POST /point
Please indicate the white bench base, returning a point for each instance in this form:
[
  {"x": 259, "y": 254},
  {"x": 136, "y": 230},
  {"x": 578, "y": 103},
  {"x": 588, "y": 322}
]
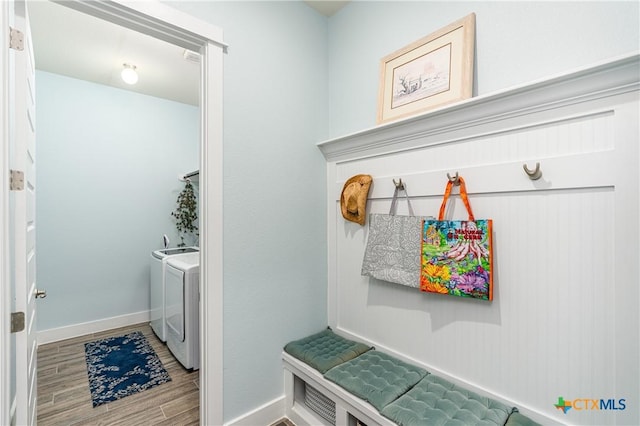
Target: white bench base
[{"x": 349, "y": 408}]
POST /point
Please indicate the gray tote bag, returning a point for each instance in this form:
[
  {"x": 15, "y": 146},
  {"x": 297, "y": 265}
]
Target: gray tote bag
[{"x": 393, "y": 246}]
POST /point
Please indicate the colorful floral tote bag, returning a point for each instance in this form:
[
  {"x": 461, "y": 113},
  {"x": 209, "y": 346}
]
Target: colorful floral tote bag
[{"x": 457, "y": 254}]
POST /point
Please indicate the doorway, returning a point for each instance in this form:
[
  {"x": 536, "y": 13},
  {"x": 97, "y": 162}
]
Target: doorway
[
  {"x": 110, "y": 159},
  {"x": 159, "y": 21}
]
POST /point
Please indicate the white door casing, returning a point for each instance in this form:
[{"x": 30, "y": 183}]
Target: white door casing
[{"x": 163, "y": 22}]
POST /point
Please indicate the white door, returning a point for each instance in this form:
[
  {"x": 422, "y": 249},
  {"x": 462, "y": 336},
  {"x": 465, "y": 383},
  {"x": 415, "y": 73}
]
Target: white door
[{"x": 22, "y": 213}]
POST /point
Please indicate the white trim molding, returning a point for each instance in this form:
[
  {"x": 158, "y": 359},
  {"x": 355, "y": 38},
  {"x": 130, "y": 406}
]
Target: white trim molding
[
  {"x": 154, "y": 19},
  {"x": 266, "y": 414},
  {"x": 441, "y": 125},
  {"x": 68, "y": 332},
  {"x": 211, "y": 241}
]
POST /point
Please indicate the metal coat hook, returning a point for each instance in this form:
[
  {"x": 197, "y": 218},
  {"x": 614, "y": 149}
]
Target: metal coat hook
[
  {"x": 533, "y": 174},
  {"x": 454, "y": 180},
  {"x": 399, "y": 184}
]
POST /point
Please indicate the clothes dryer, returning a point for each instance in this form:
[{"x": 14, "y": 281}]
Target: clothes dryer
[
  {"x": 182, "y": 280},
  {"x": 157, "y": 286}
]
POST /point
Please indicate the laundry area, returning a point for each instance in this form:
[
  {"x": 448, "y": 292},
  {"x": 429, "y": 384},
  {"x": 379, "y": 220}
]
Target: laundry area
[
  {"x": 117, "y": 166},
  {"x": 115, "y": 196},
  {"x": 174, "y": 283},
  {"x": 114, "y": 189},
  {"x": 175, "y": 297}
]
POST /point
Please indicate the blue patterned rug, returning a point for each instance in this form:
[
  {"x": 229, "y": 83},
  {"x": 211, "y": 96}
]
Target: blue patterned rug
[{"x": 120, "y": 366}]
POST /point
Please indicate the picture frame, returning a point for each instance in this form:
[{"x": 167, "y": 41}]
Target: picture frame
[{"x": 428, "y": 73}]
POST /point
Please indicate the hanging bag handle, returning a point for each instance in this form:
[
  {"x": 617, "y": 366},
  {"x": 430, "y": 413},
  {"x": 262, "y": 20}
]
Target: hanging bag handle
[
  {"x": 463, "y": 195},
  {"x": 392, "y": 210}
]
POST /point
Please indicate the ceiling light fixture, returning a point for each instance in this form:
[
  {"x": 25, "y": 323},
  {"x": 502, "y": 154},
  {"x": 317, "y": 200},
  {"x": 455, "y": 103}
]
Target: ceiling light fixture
[{"x": 129, "y": 74}]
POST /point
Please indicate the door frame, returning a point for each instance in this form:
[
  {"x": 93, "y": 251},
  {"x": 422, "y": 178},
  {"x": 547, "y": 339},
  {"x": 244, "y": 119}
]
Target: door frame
[{"x": 165, "y": 23}]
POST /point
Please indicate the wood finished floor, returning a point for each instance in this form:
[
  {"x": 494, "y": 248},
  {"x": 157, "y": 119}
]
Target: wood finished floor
[{"x": 64, "y": 397}]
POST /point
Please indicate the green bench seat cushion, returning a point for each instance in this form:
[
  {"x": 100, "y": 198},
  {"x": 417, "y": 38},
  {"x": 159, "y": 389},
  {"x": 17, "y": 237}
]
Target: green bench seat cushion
[
  {"x": 437, "y": 402},
  {"x": 325, "y": 350},
  {"x": 376, "y": 377}
]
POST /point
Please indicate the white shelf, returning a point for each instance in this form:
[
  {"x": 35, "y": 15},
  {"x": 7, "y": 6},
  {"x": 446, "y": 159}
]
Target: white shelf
[
  {"x": 607, "y": 78},
  {"x": 192, "y": 176}
]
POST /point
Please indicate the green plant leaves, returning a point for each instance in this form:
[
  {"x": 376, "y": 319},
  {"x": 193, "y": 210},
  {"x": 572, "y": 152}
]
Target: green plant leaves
[{"x": 186, "y": 212}]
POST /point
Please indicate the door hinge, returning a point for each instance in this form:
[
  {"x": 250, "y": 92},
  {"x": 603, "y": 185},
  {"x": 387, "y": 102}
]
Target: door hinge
[
  {"x": 16, "y": 39},
  {"x": 16, "y": 180},
  {"x": 17, "y": 322}
]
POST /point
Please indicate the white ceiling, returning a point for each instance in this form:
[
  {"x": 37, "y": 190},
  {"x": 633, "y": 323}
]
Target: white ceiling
[
  {"x": 74, "y": 44},
  {"x": 326, "y": 7},
  {"x": 77, "y": 45}
]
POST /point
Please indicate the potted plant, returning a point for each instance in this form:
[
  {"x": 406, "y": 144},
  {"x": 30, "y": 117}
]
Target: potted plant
[{"x": 186, "y": 213}]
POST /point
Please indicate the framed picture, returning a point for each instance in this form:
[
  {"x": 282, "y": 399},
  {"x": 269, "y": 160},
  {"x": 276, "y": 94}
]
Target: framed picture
[{"x": 431, "y": 72}]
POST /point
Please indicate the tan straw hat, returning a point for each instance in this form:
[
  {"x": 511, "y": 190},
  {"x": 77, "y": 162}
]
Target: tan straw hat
[{"x": 353, "y": 201}]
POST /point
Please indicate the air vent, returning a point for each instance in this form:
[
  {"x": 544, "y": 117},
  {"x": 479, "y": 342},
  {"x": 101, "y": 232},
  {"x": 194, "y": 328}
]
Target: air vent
[{"x": 320, "y": 404}]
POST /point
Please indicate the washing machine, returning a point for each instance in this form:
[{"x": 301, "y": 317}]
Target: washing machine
[
  {"x": 182, "y": 281},
  {"x": 157, "y": 286}
]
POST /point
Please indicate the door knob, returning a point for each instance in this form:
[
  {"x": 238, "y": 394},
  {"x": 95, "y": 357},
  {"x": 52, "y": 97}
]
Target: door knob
[{"x": 41, "y": 294}]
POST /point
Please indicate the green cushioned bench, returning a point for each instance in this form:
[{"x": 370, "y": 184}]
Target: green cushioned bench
[
  {"x": 396, "y": 391},
  {"x": 325, "y": 350},
  {"x": 376, "y": 377},
  {"x": 435, "y": 401}
]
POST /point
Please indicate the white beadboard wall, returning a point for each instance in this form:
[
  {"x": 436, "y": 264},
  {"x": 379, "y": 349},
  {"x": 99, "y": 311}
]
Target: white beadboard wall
[{"x": 564, "y": 319}]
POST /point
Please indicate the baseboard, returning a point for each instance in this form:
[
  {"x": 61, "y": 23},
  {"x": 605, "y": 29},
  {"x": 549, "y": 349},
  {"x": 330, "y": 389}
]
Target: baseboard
[
  {"x": 267, "y": 414},
  {"x": 75, "y": 330}
]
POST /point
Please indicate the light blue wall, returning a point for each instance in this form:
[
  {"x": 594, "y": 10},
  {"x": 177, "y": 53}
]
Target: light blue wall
[
  {"x": 516, "y": 42},
  {"x": 294, "y": 78},
  {"x": 275, "y": 111},
  {"x": 107, "y": 168}
]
